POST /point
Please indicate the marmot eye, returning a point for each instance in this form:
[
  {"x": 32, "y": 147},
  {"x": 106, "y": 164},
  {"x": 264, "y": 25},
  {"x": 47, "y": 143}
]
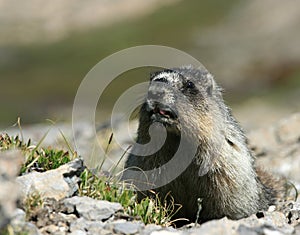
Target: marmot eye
[{"x": 190, "y": 85}]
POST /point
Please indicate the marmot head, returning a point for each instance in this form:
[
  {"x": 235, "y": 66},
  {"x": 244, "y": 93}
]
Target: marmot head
[{"x": 182, "y": 99}]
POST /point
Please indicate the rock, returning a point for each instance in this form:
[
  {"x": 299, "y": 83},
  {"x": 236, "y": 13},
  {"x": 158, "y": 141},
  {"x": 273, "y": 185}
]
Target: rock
[
  {"x": 274, "y": 221},
  {"x": 91, "y": 209},
  {"x": 297, "y": 230},
  {"x": 150, "y": 228},
  {"x": 58, "y": 183},
  {"x": 271, "y": 223},
  {"x": 82, "y": 224},
  {"x": 78, "y": 232},
  {"x": 124, "y": 227},
  {"x": 242, "y": 229},
  {"x": 278, "y": 147},
  {"x": 166, "y": 232},
  {"x": 223, "y": 226},
  {"x": 20, "y": 225},
  {"x": 53, "y": 229},
  {"x": 10, "y": 165},
  {"x": 288, "y": 130},
  {"x": 291, "y": 211}
]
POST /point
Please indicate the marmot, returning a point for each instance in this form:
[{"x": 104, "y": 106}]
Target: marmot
[{"x": 222, "y": 173}]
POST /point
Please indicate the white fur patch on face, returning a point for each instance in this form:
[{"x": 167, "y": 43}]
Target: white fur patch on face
[
  {"x": 209, "y": 76},
  {"x": 170, "y": 77}
]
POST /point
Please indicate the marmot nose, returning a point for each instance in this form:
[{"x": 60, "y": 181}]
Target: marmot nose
[{"x": 156, "y": 95}]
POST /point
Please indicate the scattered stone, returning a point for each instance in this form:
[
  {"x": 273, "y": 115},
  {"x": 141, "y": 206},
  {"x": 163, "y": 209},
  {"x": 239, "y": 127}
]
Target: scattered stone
[
  {"x": 292, "y": 212},
  {"x": 10, "y": 165},
  {"x": 82, "y": 224},
  {"x": 165, "y": 232},
  {"x": 62, "y": 213},
  {"x": 78, "y": 232},
  {"x": 125, "y": 227},
  {"x": 150, "y": 228},
  {"x": 20, "y": 225},
  {"x": 278, "y": 148},
  {"x": 242, "y": 229},
  {"x": 297, "y": 230},
  {"x": 58, "y": 183},
  {"x": 271, "y": 222},
  {"x": 288, "y": 130},
  {"x": 91, "y": 209},
  {"x": 272, "y": 208},
  {"x": 53, "y": 229}
]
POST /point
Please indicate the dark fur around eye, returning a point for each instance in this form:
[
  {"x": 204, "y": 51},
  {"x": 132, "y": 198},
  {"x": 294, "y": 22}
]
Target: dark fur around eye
[
  {"x": 189, "y": 88},
  {"x": 190, "y": 85}
]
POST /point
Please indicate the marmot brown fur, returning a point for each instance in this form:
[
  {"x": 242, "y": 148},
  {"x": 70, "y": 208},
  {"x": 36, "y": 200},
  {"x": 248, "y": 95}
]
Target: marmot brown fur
[{"x": 222, "y": 173}]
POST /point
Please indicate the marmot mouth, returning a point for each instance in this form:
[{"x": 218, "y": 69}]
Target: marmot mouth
[{"x": 164, "y": 112}]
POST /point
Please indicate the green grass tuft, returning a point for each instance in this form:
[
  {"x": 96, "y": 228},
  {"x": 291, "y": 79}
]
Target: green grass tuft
[
  {"x": 39, "y": 159},
  {"x": 32, "y": 203},
  {"x": 149, "y": 210}
]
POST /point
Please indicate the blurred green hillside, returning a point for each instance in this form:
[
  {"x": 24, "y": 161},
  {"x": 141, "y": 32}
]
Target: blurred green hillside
[{"x": 40, "y": 80}]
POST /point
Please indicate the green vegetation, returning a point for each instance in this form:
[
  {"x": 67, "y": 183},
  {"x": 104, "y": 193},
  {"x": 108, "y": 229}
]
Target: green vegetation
[
  {"x": 149, "y": 210},
  {"x": 32, "y": 203},
  {"x": 41, "y": 159}
]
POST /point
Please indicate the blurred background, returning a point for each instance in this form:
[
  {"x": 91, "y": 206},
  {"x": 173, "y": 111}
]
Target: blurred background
[{"x": 47, "y": 47}]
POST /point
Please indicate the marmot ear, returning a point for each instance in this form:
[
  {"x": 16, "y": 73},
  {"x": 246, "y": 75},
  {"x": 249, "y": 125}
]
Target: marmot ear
[
  {"x": 154, "y": 74},
  {"x": 164, "y": 70},
  {"x": 210, "y": 84}
]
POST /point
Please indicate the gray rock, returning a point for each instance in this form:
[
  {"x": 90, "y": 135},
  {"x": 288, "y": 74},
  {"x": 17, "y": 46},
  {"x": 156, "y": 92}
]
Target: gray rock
[
  {"x": 223, "y": 226},
  {"x": 125, "y": 227},
  {"x": 292, "y": 212},
  {"x": 10, "y": 164},
  {"x": 78, "y": 232},
  {"x": 94, "y": 229},
  {"x": 89, "y": 227},
  {"x": 53, "y": 229},
  {"x": 278, "y": 147},
  {"x": 58, "y": 183},
  {"x": 20, "y": 225},
  {"x": 26, "y": 228},
  {"x": 150, "y": 228},
  {"x": 271, "y": 223},
  {"x": 167, "y": 232},
  {"x": 82, "y": 224},
  {"x": 288, "y": 129},
  {"x": 91, "y": 209},
  {"x": 242, "y": 229},
  {"x": 297, "y": 230}
]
